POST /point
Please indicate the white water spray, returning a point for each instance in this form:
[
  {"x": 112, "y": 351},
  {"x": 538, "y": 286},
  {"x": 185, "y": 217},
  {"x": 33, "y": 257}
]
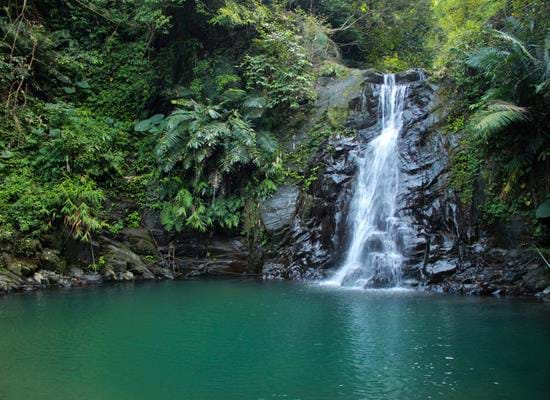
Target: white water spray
[{"x": 374, "y": 255}]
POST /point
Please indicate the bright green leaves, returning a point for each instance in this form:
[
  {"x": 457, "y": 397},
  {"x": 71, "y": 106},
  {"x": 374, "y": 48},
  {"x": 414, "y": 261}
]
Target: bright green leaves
[
  {"x": 502, "y": 78},
  {"x": 460, "y": 25},
  {"x": 81, "y": 201},
  {"x": 279, "y": 70},
  {"x": 78, "y": 142},
  {"x": 211, "y": 146},
  {"x": 498, "y": 116},
  {"x": 200, "y": 136},
  {"x": 32, "y": 207},
  {"x": 25, "y": 204},
  {"x": 174, "y": 214},
  {"x": 240, "y": 13},
  {"x": 188, "y": 211}
]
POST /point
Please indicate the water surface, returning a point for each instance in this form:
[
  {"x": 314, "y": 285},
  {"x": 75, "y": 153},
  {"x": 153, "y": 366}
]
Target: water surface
[{"x": 252, "y": 340}]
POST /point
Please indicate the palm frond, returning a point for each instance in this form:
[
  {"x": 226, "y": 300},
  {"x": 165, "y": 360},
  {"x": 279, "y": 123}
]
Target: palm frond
[
  {"x": 267, "y": 143},
  {"x": 257, "y": 102},
  {"x": 498, "y": 116},
  {"x": 511, "y": 38},
  {"x": 487, "y": 58}
]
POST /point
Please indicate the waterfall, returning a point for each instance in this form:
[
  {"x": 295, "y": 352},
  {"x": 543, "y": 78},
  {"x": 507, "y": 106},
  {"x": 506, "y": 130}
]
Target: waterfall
[{"x": 374, "y": 255}]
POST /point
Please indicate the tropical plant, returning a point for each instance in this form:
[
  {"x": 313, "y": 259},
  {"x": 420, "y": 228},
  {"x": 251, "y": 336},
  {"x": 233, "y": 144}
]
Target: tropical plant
[
  {"x": 76, "y": 141},
  {"x": 211, "y": 146},
  {"x": 208, "y": 139},
  {"x": 511, "y": 115},
  {"x": 81, "y": 200}
]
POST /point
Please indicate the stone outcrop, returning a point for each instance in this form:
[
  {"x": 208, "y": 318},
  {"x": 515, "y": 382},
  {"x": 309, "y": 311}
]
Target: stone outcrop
[
  {"x": 279, "y": 210},
  {"x": 448, "y": 249}
]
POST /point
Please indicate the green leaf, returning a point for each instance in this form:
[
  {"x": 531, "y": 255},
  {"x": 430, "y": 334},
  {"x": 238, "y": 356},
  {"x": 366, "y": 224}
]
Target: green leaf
[
  {"x": 82, "y": 84},
  {"x": 69, "y": 90},
  {"x": 213, "y": 113},
  {"x": 7, "y": 154},
  {"x": 498, "y": 116},
  {"x": 543, "y": 211},
  {"x": 149, "y": 123},
  {"x": 157, "y": 118}
]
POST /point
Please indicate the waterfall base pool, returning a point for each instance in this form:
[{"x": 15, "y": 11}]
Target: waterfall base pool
[{"x": 253, "y": 340}]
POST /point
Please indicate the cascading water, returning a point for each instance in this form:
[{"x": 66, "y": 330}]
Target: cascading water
[{"x": 374, "y": 256}]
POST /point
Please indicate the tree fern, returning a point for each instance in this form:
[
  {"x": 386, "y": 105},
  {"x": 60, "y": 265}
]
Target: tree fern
[
  {"x": 516, "y": 42},
  {"x": 498, "y": 116},
  {"x": 209, "y": 145}
]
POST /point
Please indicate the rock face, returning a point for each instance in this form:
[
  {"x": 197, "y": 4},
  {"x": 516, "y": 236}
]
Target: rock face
[
  {"x": 278, "y": 211},
  {"x": 448, "y": 250},
  {"x": 148, "y": 252}
]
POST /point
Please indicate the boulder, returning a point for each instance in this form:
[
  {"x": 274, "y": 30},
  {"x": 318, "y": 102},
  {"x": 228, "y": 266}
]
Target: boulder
[
  {"x": 272, "y": 270},
  {"x": 76, "y": 272},
  {"x": 373, "y": 76},
  {"x": 9, "y": 281},
  {"x": 121, "y": 259},
  {"x": 277, "y": 212},
  {"x": 140, "y": 241},
  {"x": 19, "y": 266},
  {"x": 440, "y": 269},
  {"x": 409, "y": 76}
]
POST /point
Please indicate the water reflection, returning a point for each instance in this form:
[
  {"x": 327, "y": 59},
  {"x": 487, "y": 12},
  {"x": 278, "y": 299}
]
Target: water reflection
[{"x": 249, "y": 340}]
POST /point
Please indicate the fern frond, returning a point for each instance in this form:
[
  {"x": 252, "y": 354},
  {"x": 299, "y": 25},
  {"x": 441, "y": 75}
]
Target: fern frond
[
  {"x": 511, "y": 38},
  {"x": 255, "y": 102},
  {"x": 497, "y": 116},
  {"x": 267, "y": 143},
  {"x": 487, "y": 58}
]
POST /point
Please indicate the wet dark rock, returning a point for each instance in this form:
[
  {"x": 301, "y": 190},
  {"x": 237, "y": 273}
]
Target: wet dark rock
[
  {"x": 446, "y": 248},
  {"x": 409, "y": 76},
  {"x": 273, "y": 270},
  {"x": 439, "y": 269},
  {"x": 277, "y": 212},
  {"x": 373, "y": 76}
]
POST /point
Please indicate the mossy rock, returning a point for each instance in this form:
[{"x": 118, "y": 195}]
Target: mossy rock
[
  {"x": 50, "y": 260},
  {"x": 120, "y": 258},
  {"x": 337, "y": 116},
  {"x": 19, "y": 266}
]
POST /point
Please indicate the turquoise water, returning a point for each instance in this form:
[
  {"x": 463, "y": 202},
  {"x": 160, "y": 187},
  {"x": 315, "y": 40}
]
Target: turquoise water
[{"x": 253, "y": 340}]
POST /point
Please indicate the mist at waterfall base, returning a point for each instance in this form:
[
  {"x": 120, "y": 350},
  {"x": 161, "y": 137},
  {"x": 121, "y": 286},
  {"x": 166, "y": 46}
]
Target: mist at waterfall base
[
  {"x": 236, "y": 340},
  {"x": 374, "y": 255}
]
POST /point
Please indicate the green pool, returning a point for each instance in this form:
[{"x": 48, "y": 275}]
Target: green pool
[{"x": 238, "y": 340}]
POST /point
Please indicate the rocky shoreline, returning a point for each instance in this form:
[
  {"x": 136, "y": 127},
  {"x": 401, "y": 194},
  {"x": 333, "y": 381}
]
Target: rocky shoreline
[
  {"x": 11, "y": 282},
  {"x": 470, "y": 282}
]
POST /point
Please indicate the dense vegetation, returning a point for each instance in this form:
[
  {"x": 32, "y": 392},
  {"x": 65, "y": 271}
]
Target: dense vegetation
[
  {"x": 186, "y": 106},
  {"x": 496, "y": 58}
]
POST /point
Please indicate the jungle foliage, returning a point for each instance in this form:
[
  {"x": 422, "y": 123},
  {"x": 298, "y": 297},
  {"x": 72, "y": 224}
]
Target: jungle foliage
[
  {"x": 495, "y": 58},
  {"x": 185, "y": 106}
]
